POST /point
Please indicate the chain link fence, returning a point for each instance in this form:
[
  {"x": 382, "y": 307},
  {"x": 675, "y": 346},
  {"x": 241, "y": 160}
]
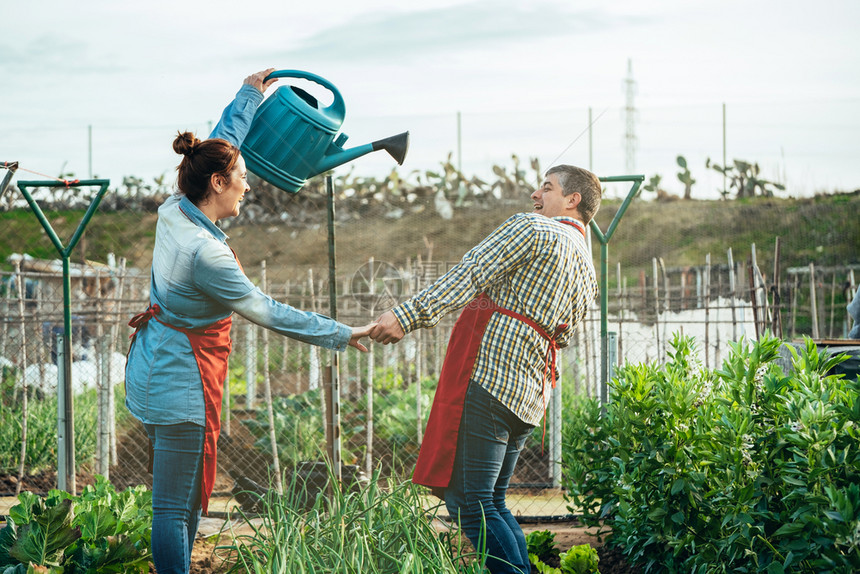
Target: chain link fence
[{"x": 274, "y": 412}]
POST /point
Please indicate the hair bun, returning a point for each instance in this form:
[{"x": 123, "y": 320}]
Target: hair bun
[{"x": 185, "y": 143}]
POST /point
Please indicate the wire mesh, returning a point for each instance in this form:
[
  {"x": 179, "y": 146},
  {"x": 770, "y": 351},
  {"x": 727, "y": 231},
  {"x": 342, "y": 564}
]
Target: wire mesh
[{"x": 274, "y": 413}]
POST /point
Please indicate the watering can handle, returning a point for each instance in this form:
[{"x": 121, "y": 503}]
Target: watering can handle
[{"x": 336, "y": 109}]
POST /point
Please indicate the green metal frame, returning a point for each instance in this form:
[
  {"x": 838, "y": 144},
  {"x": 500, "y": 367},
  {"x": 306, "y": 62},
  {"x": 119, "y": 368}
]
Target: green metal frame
[
  {"x": 604, "y": 273},
  {"x": 10, "y": 166},
  {"x": 66, "y": 435}
]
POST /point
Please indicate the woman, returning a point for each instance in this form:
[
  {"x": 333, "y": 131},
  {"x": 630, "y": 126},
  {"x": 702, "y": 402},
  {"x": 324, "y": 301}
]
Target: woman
[{"x": 177, "y": 362}]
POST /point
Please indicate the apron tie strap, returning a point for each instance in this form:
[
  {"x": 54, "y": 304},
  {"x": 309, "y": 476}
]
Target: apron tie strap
[
  {"x": 141, "y": 319},
  {"x": 549, "y": 359},
  {"x": 549, "y": 370}
]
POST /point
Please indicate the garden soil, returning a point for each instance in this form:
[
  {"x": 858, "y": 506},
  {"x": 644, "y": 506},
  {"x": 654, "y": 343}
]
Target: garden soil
[{"x": 567, "y": 534}]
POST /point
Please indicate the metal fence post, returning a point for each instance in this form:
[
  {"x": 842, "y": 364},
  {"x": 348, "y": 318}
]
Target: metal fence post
[
  {"x": 65, "y": 367},
  {"x": 604, "y": 274}
]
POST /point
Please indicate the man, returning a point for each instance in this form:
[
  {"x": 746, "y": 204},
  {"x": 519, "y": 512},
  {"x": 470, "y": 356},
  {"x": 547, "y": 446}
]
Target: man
[{"x": 525, "y": 287}]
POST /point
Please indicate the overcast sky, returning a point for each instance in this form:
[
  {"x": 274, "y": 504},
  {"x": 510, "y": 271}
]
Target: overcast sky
[{"x": 523, "y": 75}]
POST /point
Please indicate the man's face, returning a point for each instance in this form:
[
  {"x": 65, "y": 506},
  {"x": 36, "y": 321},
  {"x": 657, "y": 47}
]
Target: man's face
[{"x": 548, "y": 199}]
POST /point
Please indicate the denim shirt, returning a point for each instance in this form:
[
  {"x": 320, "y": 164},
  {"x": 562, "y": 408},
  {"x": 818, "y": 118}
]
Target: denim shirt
[{"x": 196, "y": 281}]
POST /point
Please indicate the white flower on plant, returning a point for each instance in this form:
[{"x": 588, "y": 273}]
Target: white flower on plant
[
  {"x": 759, "y": 378},
  {"x": 704, "y": 394}
]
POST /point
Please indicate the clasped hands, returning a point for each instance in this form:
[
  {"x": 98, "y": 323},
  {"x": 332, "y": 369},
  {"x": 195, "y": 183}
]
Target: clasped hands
[{"x": 384, "y": 330}]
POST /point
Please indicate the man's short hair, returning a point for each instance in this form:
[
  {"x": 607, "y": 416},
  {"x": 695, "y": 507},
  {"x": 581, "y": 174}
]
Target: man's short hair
[{"x": 577, "y": 180}]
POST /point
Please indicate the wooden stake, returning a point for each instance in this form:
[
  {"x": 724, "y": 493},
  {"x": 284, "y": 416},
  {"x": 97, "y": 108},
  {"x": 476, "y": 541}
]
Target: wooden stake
[
  {"x": 775, "y": 289},
  {"x": 732, "y": 294},
  {"x": 707, "y": 310},
  {"x": 19, "y": 284}
]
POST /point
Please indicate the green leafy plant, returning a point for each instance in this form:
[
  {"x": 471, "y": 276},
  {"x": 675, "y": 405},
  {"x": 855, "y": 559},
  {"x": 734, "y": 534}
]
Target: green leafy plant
[
  {"x": 541, "y": 543},
  {"x": 744, "y": 468},
  {"x": 42, "y": 432},
  {"x": 381, "y": 527},
  {"x": 581, "y": 559},
  {"x": 99, "y": 531}
]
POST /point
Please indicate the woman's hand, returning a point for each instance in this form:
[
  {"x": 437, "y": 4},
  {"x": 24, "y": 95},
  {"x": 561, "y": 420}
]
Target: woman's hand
[
  {"x": 257, "y": 80},
  {"x": 358, "y": 333}
]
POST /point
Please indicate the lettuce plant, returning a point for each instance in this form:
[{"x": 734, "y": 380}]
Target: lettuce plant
[{"x": 99, "y": 531}]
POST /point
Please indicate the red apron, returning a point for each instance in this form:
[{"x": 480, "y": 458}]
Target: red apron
[
  {"x": 436, "y": 456},
  {"x": 211, "y": 346}
]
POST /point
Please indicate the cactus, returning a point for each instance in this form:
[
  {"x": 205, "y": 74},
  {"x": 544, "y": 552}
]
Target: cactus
[
  {"x": 653, "y": 184},
  {"x": 685, "y": 177},
  {"x": 744, "y": 178}
]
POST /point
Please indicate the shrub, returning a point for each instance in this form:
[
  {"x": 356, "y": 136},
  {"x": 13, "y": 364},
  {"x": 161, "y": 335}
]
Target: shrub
[{"x": 742, "y": 469}]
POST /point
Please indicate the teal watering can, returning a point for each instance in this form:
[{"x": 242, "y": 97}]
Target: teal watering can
[{"x": 293, "y": 138}]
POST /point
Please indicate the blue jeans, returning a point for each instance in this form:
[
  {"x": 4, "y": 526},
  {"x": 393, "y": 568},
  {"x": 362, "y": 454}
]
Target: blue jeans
[
  {"x": 177, "y": 472},
  {"x": 489, "y": 444}
]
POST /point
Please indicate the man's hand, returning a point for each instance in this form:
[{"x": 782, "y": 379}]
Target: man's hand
[
  {"x": 358, "y": 333},
  {"x": 387, "y": 329}
]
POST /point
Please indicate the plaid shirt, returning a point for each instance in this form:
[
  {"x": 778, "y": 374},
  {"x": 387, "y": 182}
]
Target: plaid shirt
[{"x": 534, "y": 266}]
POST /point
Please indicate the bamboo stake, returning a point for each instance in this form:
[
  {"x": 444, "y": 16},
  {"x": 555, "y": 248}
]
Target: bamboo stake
[
  {"x": 577, "y": 385},
  {"x": 777, "y": 300},
  {"x": 707, "y": 290},
  {"x": 267, "y": 389},
  {"x": 684, "y": 289},
  {"x": 250, "y": 365},
  {"x": 753, "y": 300},
  {"x": 622, "y": 287},
  {"x": 795, "y": 290},
  {"x": 285, "y": 340},
  {"x": 666, "y": 304},
  {"x": 587, "y": 334},
  {"x": 19, "y": 284},
  {"x": 832, "y": 305},
  {"x": 319, "y": 378},
  {"x": 418, "y": 374},
  {"x": 624, "y": 302},
  {"x": 314, "y": 375},
  {"x": 114, "y": 455},
  {"x": 813, "y": 302},
  {"x": 656, "y": 307},
  {"x": 368, "y": 464},
  {"x": 102, "y": 385},
  {"x": 732, "y": 295},
  {"x": 4, "y": 331}
]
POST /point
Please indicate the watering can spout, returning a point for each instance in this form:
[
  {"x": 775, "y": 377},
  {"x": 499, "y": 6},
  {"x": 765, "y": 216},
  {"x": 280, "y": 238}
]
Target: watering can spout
[{"x": 396, "y": 146}]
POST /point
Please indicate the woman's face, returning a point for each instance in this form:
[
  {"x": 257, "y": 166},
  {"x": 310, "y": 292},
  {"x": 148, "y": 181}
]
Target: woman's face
[{"x": 234, "y": 190}]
